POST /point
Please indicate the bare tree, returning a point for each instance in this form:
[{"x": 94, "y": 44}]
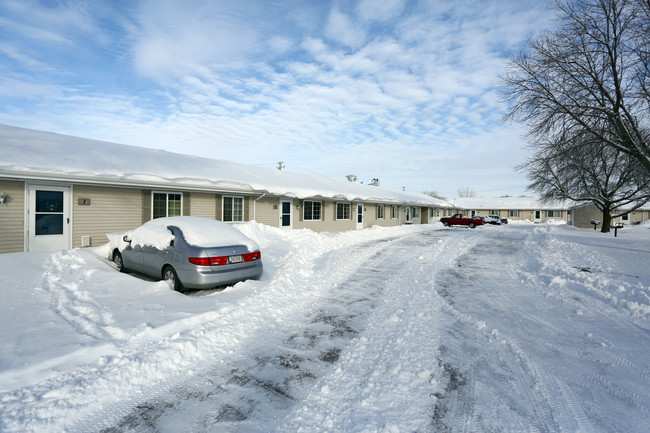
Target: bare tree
[
  {"x": 466, "y": 191},
  {"x": 351, "y": 177},
  {"x": 434, "y": 194},
  {"x": 583, "y": 169},
  {"x": 590, "y": 74}
]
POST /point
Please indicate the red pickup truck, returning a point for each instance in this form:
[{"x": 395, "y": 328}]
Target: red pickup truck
[{"x": 459, "y": 220}]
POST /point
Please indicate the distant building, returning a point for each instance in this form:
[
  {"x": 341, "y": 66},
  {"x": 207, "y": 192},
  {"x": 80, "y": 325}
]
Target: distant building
[
  {"x": 584, "y": 213},
  {"x": 514, "y": 208}
]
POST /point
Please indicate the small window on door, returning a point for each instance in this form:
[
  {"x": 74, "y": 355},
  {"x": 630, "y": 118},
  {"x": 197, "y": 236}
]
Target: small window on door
[{"x": 49, "y": 213}]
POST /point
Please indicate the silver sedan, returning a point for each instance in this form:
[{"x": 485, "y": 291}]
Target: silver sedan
[{"x": 189, "y": 252}]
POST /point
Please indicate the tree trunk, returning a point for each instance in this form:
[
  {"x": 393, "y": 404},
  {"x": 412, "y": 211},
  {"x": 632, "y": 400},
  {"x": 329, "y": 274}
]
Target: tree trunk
[{"x": 607, "y": 218}]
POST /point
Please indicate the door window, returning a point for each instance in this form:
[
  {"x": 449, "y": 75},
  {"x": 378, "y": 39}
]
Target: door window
[
  {"x": 49, "y": 213},
  {"x": 286, "y": 214}
]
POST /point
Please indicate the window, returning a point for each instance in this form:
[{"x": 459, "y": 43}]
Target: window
[
  {"x": 416, "y": 212},
  {"x": 625, "y": 217},
  {"x": 312, "y": 210},
  {"x": 343, "y": 211},
  {"x": 554, "y": 213},
  {"x": 513, "y": 214},
  {"x": 494, "y": 212},
  {"x": 166, "y": 204},
  {"x": 233, "y": 209},
  {"x": 380, "y": 211},
  {"x": 394, "y": 212}
]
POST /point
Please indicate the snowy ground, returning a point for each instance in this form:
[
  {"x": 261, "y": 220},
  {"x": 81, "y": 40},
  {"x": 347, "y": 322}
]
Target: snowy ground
[{"x": 517, "y": 328}]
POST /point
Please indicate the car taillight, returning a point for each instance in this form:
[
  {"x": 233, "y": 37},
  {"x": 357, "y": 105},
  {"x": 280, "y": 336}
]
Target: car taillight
[
  {"x": 209, "y": 261},
  {"x": 252, "y": 256}
]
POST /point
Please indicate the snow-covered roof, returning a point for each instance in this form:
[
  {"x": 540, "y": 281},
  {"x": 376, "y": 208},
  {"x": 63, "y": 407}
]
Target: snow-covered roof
[
  {"x": 515, "y": 203},
  {"x": 31, "y": 154},
  {"x": 645, "y": 207},
  {"x": 520, "y": 203}
]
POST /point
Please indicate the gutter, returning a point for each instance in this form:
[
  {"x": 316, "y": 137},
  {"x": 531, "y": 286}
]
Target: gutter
[{"x": 116, "y": 182}]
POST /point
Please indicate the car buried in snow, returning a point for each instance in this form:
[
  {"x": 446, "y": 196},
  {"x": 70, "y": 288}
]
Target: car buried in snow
[
  {"x": 189, "y": 252},
  {"x": 489, "y": 219},
  {"x": 503, "y": 220}
]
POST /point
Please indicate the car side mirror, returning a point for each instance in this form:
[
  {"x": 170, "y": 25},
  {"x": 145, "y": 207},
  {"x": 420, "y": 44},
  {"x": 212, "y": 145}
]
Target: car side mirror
[{"x": 126, "y": 239}]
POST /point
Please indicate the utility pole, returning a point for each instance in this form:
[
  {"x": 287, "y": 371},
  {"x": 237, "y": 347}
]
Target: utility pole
[{"x": 280, "y": 165}]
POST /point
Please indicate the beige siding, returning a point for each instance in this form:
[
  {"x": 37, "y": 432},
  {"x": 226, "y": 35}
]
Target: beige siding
[
  {"x": 328, "y": 222},
  {"x": 219, "y": 207},
  {"x": 370, "y": 215},
  {"x": 110, "y": 210},
  {"x": 371, "y": 219},
  {"x": 248, "y": 211},
  {"x": 583, "y": 215},
  {"x": 201, "y": 205},
  {"x": 636, "y": 217},
  {"x": 187, "y": 203},
  {"x": 12, "y": 215},
  {"x": 267, "y": 211},
  {"x": 146, "y": 205}
]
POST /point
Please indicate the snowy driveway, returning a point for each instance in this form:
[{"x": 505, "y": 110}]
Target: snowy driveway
[{"x": 516, "y": 328}]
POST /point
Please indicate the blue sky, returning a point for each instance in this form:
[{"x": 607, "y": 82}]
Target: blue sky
[{"x": 403, "y": 91}]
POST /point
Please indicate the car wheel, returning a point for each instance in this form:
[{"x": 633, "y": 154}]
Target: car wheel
[
  {"x": 446, "y": 224},
  {"x": 117, "y": 259},
  {"x": 472, "y": 225},
  {"x": 169, "y": 274}
]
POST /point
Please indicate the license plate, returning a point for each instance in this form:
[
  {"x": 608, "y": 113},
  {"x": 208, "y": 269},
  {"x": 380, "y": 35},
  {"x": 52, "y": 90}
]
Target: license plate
[{"x": 235, "y": 259}]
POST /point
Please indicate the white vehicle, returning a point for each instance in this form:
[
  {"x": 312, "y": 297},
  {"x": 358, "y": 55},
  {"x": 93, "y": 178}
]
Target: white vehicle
[{"x": 489, "y": 219}]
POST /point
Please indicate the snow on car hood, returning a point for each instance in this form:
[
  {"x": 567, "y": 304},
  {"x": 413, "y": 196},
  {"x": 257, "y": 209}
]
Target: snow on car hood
[{"x": 201, "y": 232}]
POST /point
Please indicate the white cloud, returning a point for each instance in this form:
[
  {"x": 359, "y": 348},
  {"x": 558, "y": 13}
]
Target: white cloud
[
  {"x": 385, "y": 10},
  {"x": 172, "y": 39},
  {"x": 342, "y": 28},
  {"x": 404, "y": 94}
]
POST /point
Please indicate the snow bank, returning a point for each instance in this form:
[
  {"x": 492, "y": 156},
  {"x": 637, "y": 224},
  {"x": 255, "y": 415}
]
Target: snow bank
[{"x": 74, "y": 327}]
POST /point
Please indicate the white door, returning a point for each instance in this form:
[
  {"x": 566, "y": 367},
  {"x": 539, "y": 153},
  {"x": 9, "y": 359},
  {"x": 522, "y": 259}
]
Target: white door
[
  {"x": 359, "y": 216},
  {"x": 48, "y": 213},
  {"x": 538, "y": 216},
  {"x": 286, "y": 207}
]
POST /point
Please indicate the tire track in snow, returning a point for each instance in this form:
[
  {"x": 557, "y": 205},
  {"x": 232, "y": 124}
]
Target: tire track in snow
[
  {"x": 390, "y": 373},
  {"x": 276, "y": 378},
  {"x": 559, "y": 385}
]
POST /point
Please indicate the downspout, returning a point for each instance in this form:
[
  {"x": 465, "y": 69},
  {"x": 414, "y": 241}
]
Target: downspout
[{"x": 255, "y": 206}]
